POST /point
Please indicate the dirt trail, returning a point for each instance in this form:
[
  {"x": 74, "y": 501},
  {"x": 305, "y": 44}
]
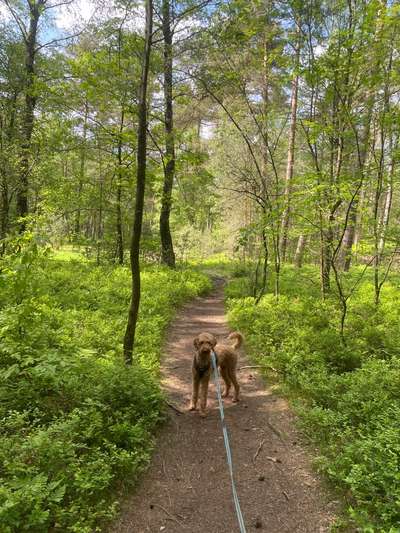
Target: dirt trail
[{"x": 187, "y": 487}]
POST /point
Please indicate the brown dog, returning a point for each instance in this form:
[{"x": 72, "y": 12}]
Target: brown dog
[{"x": 227, "y": 358}]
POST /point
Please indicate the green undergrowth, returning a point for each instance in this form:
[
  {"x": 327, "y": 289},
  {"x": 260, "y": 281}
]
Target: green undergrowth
[
  {"x": 75, "y": 422},
  {"x": 347, "y": 396}
]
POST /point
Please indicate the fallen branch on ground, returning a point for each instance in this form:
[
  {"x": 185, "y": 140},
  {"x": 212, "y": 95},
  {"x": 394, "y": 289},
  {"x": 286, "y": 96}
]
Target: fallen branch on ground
[
  {"x": 273, "y": 459},
  {"x": 258, "y": 450},
  {"x": 171, "y": 516},
  {"x": 174, "y": 407}
]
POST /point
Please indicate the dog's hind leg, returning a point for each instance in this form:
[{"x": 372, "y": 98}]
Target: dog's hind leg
[
  {"x": 227, "y": 380},
  {"x": 232, "y": 375}
]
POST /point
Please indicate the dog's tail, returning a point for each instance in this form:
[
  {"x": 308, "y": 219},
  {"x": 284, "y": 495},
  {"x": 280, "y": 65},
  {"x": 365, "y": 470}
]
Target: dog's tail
[{"x": 237, "y": 339}]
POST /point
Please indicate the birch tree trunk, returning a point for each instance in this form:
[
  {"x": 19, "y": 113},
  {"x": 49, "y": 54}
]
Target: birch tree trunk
[{"x": 299, "y": 254}]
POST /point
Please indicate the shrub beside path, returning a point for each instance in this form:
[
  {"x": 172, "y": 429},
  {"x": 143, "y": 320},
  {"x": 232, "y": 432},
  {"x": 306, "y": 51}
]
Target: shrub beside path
[{"x": 187, "y": 487}]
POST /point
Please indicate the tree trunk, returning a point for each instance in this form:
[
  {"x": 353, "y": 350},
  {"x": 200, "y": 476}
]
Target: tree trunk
[
  {"x": 265, "y": 267},
  {"x": 119, "y": 252},
  {"x": 385, "y": 218},
  {"x": 4, "y": 205},
  {"x": 5, "y": 208},
  {"x": 129, "y": 338},
  {"x": 349, "y": 236},
  {"x": 28, "y": 118},
  {"x": 167, "y": 250},
  {"x": 99, "y": 228},
  {"x": 327, "y": 249},
  {"x": 350, "y": 230},
  {"x": 359, "y": 222},
  {"x": 384, "y": 222},
  {"x": 326, "y": 262},
  {"x": 81, "y": 172},
  {"x": 6, "y": 170},
  {"x": 299, "y": 254},
  {"x": 290, "y": 158},
  {"x": 120, "y": 237}
]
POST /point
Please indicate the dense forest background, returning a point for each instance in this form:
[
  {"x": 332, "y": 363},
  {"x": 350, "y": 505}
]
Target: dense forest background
[
  {"x": 259, "y": 138},
  {"x": 304, "y": 96}
]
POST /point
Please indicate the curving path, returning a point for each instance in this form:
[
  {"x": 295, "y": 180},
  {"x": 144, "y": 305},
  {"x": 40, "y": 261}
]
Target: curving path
[{"x": 187, "y": 487}]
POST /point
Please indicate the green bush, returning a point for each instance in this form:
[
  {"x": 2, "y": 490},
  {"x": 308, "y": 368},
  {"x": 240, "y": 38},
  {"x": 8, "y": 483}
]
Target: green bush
[
  {"x": 347, "y": 395},
  {"x": 75, "y": 421}
]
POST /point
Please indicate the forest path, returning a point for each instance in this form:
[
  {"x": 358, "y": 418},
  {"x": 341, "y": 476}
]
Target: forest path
[{"x": 187, "y": 487}]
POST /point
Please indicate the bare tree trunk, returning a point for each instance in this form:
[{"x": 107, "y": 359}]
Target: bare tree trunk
[
  {"x": 81, "y": 171},
  {"x": 380, "y": 224},
  {"x": 388, "y": 202},
  {"x": 385, "y": 218},
  {"x": 265, "y": 267},
  {"x": 299, "y": 254},
  {"x": 349, "y": 236},
  {"x": 35, "y": 10},
  {"x": 290, "y": 158},
  {"x": 326, "y": 262},
  {"x": 99, "y": 229},
  {"x": 167, "y": 249},
  {"x": 359, "y": 222},
  {"x": 5, "y": 207},
  {"x": 120, "y": 237},
  {"x": 327, "y": 248},
  {"x": 6, "y": 171},
  {"x": 129, "y": 338}
]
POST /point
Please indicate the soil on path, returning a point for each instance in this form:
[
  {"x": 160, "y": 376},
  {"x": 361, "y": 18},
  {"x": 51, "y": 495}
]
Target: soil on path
[{"x": 187, "y": 487}]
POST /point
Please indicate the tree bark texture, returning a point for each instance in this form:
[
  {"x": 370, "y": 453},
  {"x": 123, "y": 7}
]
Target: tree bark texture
[
  {"x": 167, "y": 249},
  {"x": 35, "y": 10},
  {"x": 120, "y": 237},
  {"x": 299, "y": 254}
]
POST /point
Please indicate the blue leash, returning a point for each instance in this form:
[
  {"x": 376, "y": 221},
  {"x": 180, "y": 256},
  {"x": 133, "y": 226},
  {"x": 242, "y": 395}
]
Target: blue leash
[{"x": 227, "y": 446}]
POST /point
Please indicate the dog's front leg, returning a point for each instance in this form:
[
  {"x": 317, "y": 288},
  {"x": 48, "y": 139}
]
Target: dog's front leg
[
  {"x": 203, "y": 396},
  {"x": 195, "y": 393}
]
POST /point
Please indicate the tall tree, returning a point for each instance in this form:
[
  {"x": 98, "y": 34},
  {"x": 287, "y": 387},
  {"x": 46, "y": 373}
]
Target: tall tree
[
  {"x": 129, "y": 338},
  {"x": 30, "y": 37},
  {"x": 291, "y": 147},
  {"x": 167, "y": 249}
]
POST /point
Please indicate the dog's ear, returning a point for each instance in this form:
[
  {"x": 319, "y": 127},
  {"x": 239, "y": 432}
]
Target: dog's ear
[
  {"x": 214, "y": 342},
  {"x": 196, "y": 342}
]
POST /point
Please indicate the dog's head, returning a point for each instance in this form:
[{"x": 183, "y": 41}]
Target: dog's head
[{"x": 204, "y": 343}]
